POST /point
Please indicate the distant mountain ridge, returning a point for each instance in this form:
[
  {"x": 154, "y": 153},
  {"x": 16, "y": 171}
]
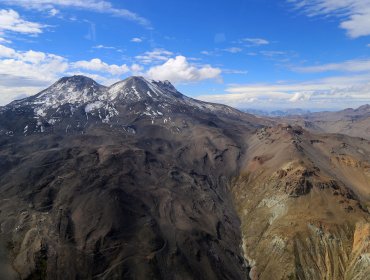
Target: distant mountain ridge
[
  {"x": 277, "y": 113},
  {"x": 354, "y": 122}
]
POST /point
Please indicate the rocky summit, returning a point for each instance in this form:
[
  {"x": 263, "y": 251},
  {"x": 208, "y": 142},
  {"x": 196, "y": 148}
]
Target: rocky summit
[{"x": 138, "y": 181}]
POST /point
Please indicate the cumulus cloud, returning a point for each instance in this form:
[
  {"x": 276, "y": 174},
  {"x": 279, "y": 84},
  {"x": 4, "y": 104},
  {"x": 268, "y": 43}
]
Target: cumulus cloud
[
  {"x": 136, "y": 40},
  {"x": 337, "y": 92},
  {"x": 300, "y": 96},
  {"x": 136, "y": 69},
  {"x": 10, "y": 20},
  {"x": 25, "y": 73},
  {"x": 53, "y": 12},
  {"x": 354, "y": 15},
  {"x": 155, "y": 56},
  {"x": 97, "y": 65},
  {"x": 31, "y": 65},
  {"x": 99, "y": 6},
  {"x": 6, "y": 52},
  {"x": 179, "y": 70}
]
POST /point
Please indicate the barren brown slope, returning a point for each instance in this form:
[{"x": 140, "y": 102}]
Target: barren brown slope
[
  {"x": 304, "y": 204},
  {"x": 133, "y": 189}
]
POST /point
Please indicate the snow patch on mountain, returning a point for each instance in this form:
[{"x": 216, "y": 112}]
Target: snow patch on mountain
[
  {"x": 77, "y": 101},
  {"x": 93, "y": 106}
]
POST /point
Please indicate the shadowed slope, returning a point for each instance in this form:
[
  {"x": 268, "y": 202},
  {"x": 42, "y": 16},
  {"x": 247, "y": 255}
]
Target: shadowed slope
[{"x": 127, "y": 182}]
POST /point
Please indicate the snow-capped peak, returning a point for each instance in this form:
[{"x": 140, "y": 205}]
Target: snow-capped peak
[
  {"x": 76, "y": 101},
  {"x": 69, "y": 90},
  {"x": 79, "y": 90},
  {"x": 138, "y": 88}
]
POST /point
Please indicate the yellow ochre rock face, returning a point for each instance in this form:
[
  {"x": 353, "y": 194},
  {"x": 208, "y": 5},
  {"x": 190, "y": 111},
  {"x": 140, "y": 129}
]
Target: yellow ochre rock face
[{"x": 303, "y": 216}]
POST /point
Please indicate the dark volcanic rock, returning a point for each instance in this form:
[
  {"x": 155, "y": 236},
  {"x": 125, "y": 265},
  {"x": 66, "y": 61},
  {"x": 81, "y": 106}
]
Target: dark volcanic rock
[{"x": 125, "y": 182}]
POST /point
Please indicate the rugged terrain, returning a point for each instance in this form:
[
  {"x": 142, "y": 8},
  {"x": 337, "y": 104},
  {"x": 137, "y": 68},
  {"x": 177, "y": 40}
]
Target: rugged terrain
[
  {"x": 353, "y": 122},
  {"x": 126, "y": 182},
  {"x": 304, "y": 202},
  {"x": 137, "y": 181}
]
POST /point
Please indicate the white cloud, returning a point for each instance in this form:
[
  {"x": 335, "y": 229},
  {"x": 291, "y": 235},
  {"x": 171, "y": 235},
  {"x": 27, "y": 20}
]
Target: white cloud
[
  {"x": 255, "y": 41},
  {"x": 136, "y": 69},
  {"x": 10, "y": 20},
  {"x": 353, "y": 14},
  {"x": 234, "y": 71},
  {"x": 155, "y": 56},
  {"x": 100, "y": 6},
  {"x": 136, "y": 40},
  {"x": 4, "y": 41},
  {"x": 336, "y": 92},
  {"x": 216, "y": 52},
  {"x": 53, "y": 12},
  {"x": 179, "y": 70},
  {"x": 220, "y": 52},
  {"x": 233, "y": 50},
  {"x": 103, "y": 47},
  {"x": 207, "y": 53},
  {"x": 29, "y": 72},
  {"x": 98, "y": 77},
  {"x": 97, "y": 65},
  {"x": 31, "y": 65},
  {"x": 359, "y": 65},
  {"x": 6, "y": 52},
  {"x": 272, "y": 53},
  {"x": 24, "y": 73},
  {"x": 300, "y": 96}
]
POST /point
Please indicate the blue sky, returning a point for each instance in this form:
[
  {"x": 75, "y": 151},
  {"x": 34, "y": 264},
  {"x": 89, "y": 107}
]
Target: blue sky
[{"x": 246, "y": 53}]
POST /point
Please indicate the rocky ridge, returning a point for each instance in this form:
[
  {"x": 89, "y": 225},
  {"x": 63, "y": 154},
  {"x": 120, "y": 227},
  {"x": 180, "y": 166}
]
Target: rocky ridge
[
  {"x": 304, "y": 203},
  {"x": 128, "y": 181},
  {"x": 138, "y": 181}
]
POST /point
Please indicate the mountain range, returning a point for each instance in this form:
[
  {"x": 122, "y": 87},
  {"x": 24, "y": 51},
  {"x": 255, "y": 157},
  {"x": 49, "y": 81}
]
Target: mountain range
[
  {"x": 277, "y": 113},
  {"x": 138, "y": 181},
  {"x": 354, "y": 122}
]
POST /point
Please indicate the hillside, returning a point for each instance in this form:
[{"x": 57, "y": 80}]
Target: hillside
[{"x": 138, "y": 181}]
